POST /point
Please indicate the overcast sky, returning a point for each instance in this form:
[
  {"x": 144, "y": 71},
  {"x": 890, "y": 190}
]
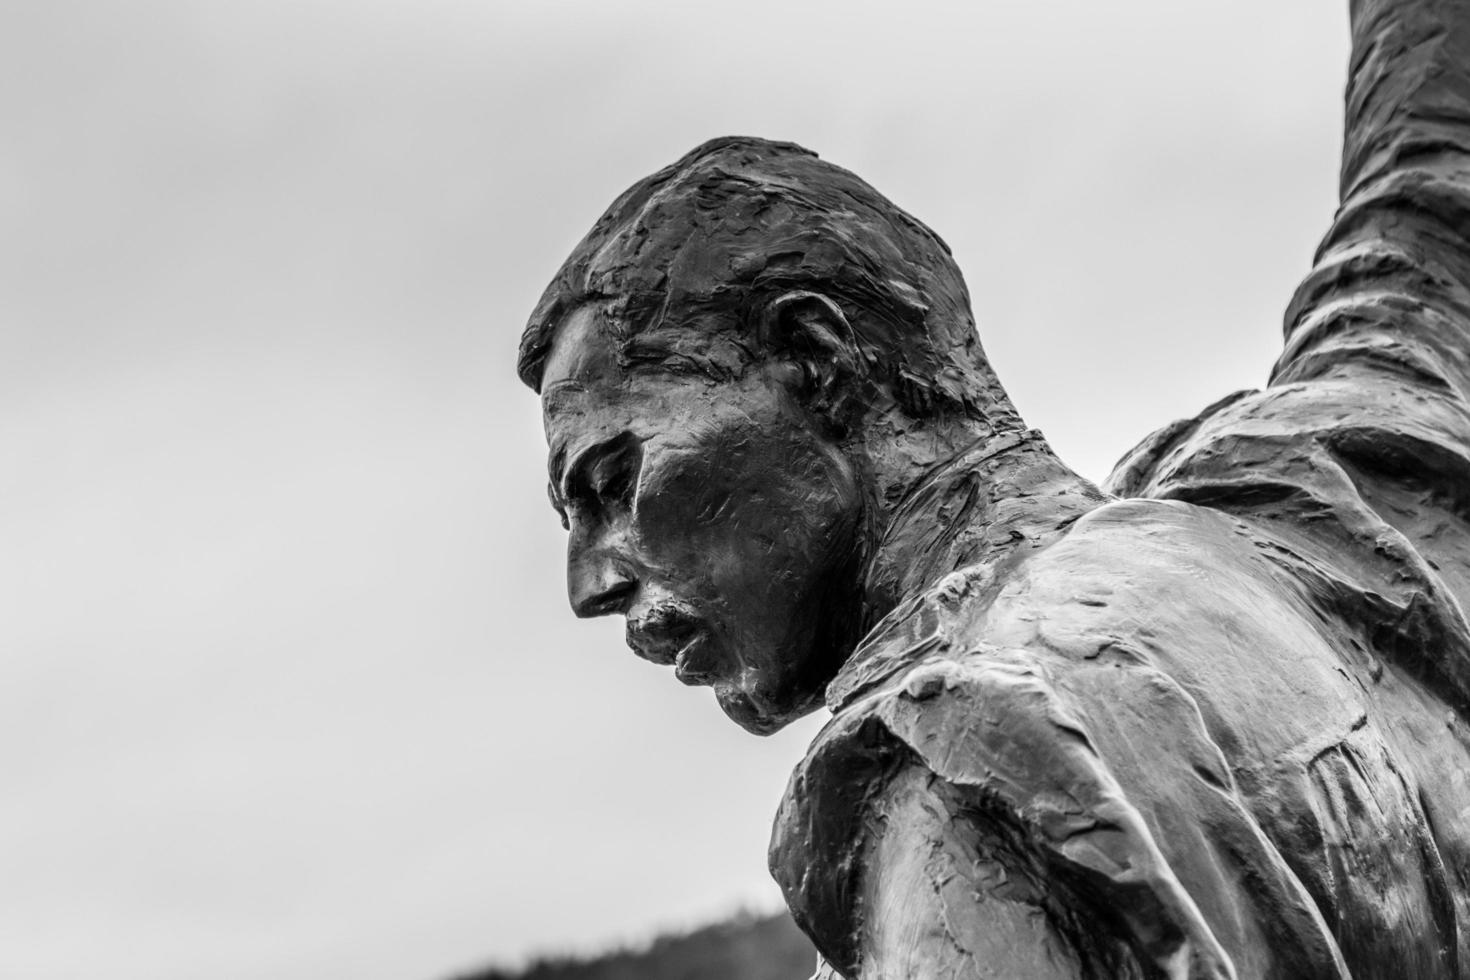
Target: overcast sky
[{"x": 289, "y": 686}]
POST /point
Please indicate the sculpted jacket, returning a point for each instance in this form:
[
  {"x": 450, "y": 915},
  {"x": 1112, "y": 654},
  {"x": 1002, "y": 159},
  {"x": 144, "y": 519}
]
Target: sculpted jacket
[{"x": 1215, "y": 724}]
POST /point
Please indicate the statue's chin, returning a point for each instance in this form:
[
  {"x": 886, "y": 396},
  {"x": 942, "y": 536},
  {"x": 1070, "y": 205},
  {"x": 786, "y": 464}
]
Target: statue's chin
[{"x": 740, "y": 708}]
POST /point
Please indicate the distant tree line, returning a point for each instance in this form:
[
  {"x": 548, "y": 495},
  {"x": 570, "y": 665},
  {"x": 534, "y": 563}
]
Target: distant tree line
[{"x": 745, "y": 947}]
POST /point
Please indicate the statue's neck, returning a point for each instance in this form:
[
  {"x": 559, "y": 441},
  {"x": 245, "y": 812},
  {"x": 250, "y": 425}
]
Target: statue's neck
[{"x": 981, "y": 494}]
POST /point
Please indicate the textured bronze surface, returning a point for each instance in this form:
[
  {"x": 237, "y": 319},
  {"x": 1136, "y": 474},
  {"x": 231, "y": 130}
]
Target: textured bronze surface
[{"x": 1206, "y": 721}]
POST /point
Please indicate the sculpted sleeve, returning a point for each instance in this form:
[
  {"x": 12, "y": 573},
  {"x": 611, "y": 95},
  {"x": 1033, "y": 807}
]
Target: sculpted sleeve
[{"x": 1390, "y": 289}]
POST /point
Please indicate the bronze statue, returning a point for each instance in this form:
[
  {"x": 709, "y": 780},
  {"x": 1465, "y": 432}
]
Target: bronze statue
[{"x": 1206, "y": 721}]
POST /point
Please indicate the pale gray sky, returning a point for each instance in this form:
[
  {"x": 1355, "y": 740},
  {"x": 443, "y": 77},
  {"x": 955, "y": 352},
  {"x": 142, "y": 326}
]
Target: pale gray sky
[{"x": 289, "y": 688}]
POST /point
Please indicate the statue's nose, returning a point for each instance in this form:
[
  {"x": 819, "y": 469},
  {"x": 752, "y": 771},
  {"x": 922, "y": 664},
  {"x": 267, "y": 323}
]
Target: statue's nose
[{"x": 600, "y": 584}]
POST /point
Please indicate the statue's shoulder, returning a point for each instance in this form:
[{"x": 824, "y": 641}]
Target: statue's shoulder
[
  {"x": 1126, "y": 582},
  {"x": 1124, "y": 576},
  {"x": 1100, "y": 581},
  {"x": 919, "y": 681}
]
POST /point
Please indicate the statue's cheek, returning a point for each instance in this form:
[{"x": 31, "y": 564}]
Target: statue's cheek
[
  {"x": 684, "y": 513},
  {"x": 749, "y": 498}
]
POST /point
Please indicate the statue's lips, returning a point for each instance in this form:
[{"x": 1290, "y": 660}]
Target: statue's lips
[{"x": 671, "y": 636}]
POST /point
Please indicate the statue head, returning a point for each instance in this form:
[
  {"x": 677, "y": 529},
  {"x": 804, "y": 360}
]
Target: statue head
[{"x": 728, "y": 363}]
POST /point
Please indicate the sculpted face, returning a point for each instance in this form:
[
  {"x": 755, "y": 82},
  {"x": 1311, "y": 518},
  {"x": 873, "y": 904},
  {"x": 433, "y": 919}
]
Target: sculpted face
[{"x": 717, "y": 517}]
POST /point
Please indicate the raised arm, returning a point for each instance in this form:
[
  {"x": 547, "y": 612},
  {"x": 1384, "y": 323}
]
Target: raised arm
[
  {"x": 1390, "y": 290},
  {"x": 1362, "y": 441}
]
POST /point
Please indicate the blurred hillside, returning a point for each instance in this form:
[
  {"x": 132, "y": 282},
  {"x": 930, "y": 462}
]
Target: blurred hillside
[{"x": 745, "y": 947}]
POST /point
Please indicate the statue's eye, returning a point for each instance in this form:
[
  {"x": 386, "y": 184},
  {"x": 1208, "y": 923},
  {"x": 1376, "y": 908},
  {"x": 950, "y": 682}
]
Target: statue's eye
[
  {"x": 615, "y": 472},
  {"x": 602, "y": 478}
]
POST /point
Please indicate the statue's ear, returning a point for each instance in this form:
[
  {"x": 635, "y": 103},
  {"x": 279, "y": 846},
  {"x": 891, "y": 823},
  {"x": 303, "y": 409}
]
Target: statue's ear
[{"x": 810, "y": 332}]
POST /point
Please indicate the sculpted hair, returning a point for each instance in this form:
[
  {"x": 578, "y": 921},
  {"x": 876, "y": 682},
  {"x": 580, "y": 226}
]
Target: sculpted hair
[{"x": 706, "y": 243}]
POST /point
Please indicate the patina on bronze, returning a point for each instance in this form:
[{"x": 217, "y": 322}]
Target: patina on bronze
[{"x": 1206, "y": 721}]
